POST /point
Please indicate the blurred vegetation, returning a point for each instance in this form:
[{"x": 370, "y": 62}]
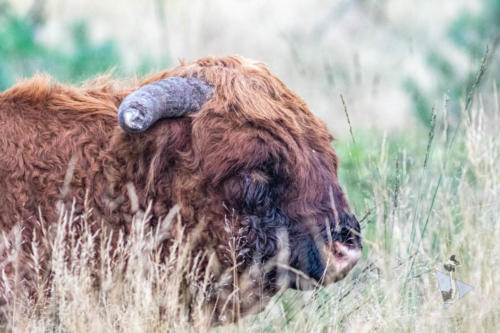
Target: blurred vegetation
[
  {"x": 21, "y": 54},
  {"x": 374, "y": 165},
  {"x": 473, "y": 34}
]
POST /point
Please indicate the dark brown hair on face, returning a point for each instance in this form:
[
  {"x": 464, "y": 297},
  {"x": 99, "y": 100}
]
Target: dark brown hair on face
[{"x": 270, "y": 160}]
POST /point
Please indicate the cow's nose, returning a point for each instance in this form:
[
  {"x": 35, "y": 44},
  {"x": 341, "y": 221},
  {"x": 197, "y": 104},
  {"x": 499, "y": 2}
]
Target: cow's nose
[{"x": 345, "y": 258}]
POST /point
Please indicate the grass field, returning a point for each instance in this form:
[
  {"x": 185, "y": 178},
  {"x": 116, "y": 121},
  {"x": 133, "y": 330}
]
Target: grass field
[{"x": 421, "y": 195}]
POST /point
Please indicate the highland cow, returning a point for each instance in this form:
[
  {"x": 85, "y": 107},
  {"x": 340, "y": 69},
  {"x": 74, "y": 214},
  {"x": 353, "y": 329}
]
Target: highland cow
[{"x": 220, "y": 138}]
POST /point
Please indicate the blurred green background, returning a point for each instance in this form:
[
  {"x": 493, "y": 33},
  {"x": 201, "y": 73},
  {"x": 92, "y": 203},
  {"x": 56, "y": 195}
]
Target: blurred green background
[{"x": 393, "y": 60}]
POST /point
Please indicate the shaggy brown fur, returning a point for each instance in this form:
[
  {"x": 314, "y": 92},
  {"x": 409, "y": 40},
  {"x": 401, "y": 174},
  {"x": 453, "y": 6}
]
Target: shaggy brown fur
[{"x": 254, "y": 149}]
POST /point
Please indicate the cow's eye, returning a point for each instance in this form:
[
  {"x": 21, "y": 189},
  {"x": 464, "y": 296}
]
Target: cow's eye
[
  {"x": 257, "y": 194},
  {"x": 250, "y": 192}
]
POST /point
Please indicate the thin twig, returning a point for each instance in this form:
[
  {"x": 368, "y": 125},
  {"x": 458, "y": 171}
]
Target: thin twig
[
  {"x": 431, "y": 136},
  {"x": 476, "y": 83},
  {"x": 348, "y": 119}
]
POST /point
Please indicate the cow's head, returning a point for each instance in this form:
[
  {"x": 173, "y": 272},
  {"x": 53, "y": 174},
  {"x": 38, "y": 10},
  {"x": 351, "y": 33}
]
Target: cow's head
[{"x": 266, "y": 162}]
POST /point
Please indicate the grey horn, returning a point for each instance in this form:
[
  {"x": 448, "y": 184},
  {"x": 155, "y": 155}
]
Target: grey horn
[{"x": 167, "y": 98}]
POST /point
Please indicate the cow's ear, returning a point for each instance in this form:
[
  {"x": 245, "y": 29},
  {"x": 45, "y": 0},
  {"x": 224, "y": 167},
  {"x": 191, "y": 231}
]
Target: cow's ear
[{"x": 250, "y": 193}]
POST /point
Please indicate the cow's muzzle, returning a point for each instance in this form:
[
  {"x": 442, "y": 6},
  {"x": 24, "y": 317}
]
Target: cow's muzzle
[{"x": 325, "y": 264}]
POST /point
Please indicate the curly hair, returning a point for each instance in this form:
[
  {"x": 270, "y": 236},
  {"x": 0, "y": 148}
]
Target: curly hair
[{"x": 254, "y": 152}]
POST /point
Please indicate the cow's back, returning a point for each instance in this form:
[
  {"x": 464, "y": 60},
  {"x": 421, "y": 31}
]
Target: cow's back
[{"x": 47, "y": 133}]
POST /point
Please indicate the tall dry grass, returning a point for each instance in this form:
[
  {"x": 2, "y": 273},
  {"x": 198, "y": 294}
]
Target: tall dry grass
[{"x": 424, "y": 205}]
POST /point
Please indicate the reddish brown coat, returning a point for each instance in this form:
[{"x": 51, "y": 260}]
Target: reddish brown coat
[{"x": 253, "y": 127}]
